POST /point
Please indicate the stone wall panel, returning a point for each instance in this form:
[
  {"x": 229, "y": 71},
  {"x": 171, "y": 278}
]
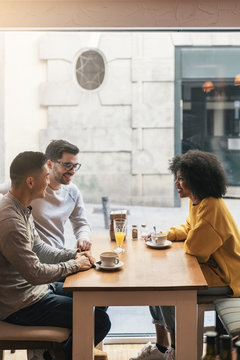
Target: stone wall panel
[
  {"x": 152, "y": 190},
  {"x": 179, "y": 38},
  {"x": 152, "y": 201},
  {"x": 161, "y": 69},
  {"x": 93, "y": 139},
  {"x": 157, "y": 93},
  {"x": 117, "y": 89},
  {"x": 116, "y": 186},
  {"x": 60, "y": 93},
  {"x": 149, "y": 116},
  {"x": 105, "y": 163},
  {"x": 89, "y": 115},
  {"x": 221, "y": 39},
  {"x": 137, "y": 139},
  {"x": 158, "y": 185},
  {"x": 200, "y": 39},
  {"x": 59, "y": 71},
  {"x": 158, "y": 45},
  {"x": 136, "y": 185},
  {"x": 110, "y": 45},
  {"x": 235, "y": 39},
  {"x": 153, "y": 159},
  {"x": 66, "y": 46},
  {"x": 142, "y": 162}
]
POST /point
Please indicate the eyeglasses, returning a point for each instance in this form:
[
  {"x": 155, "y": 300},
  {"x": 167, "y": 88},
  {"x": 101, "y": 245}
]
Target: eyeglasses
[{"x": 68, "y": 165}]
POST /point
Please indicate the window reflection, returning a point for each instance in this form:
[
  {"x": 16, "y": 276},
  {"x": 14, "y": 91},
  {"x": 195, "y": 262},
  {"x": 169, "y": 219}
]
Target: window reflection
[{"x": 211, "y": 122}]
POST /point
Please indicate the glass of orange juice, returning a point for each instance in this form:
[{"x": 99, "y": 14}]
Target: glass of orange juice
[{"x": 120, "y": 228}]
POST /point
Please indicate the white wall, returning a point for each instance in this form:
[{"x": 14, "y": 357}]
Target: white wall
[{"x": 24, "y": 71}]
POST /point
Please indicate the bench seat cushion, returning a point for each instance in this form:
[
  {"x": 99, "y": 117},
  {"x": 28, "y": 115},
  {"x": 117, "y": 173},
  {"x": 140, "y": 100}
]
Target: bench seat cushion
[
  {"x": 209, "y": 299},
  {"x": 32, "y": 333},
  {"x": 228, "y": 311}
]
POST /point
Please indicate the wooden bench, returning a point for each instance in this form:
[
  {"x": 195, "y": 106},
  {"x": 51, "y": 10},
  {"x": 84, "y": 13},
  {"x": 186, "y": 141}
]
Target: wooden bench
[{"x": 16, "y": 337}]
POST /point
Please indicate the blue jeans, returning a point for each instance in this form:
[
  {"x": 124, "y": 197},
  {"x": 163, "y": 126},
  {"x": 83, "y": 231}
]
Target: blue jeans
[
  {"x": 165, "y": 315},
  {"x": 55, "y": 309}
]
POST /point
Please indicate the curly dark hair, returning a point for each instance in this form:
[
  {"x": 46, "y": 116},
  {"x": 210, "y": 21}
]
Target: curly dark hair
[{"x": 202, "y": 172}]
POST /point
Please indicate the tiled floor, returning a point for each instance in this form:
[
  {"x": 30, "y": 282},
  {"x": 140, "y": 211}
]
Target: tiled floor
[{"x": 115, "y": 352}]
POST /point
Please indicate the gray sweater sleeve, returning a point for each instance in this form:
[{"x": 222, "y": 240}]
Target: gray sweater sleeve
[
  {"x": 17, "y": 248},
  {"x": 48, "y": 254}
]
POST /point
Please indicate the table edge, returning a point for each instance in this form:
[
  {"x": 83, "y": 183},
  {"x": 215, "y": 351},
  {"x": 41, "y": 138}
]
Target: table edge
[{"x": 132, "y": 289}]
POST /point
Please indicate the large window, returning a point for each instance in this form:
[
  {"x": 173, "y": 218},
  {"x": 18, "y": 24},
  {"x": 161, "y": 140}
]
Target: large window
[
  {"x": 211, "y": 121},
  {"x": 130, "y": 100},
  {"x": 207, "y": 103}
]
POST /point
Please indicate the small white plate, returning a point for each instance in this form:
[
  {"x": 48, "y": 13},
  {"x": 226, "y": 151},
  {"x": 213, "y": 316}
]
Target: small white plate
[
  {"x": 116, "y": 266},
  {"x": 159, "y": 246}
]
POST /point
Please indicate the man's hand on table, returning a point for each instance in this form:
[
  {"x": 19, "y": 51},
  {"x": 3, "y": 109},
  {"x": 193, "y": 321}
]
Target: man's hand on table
[
  {"x": 83, "y": 244},
  {"x": 85, "y": 260}
]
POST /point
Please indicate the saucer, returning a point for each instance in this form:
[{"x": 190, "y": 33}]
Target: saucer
[
  {"x": 159, "y": 246},
  {"x": 116, "y": 266}
]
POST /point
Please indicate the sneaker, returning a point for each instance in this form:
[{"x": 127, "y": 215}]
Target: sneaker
[
  {"x": 39, "y": 354},
  {"x": 47, "y": 355},
  {"x": 150, "y": 352},
  {"x": 36, "y": 354},
  {"x": 170, "y": 354}
]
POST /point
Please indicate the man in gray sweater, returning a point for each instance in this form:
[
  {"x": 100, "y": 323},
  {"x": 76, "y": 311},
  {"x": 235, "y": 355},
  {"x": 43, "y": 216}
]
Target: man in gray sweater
[
  {"x": 30, "y": 270},
  {"x": 63, "y": 199}
]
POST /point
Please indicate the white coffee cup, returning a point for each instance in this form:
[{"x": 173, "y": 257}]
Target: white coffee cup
[
  {"x": 159, "y": 238},
  {"x": 109, "y": 259}
]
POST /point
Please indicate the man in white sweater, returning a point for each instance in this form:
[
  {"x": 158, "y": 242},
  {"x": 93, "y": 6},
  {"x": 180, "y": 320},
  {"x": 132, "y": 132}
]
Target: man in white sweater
[{"x": 63, "y": 200}]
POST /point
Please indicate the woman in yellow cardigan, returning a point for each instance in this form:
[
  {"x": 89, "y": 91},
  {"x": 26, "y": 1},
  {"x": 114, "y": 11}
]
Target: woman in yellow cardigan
[{"x": 210, "y": 234}]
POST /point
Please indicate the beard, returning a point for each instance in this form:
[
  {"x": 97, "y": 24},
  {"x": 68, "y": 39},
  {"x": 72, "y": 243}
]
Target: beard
[{"x": 64, "y": 178}]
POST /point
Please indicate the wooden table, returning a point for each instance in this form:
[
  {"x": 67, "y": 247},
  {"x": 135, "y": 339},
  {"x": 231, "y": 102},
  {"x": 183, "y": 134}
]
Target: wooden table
[{"x": 148, "y": 277}]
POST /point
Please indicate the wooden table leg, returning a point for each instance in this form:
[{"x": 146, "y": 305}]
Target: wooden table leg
[
  {"x": 186, "y": 325},
  {"x": 83, "y": 326},
  {"x": 186, "y": 318}
]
